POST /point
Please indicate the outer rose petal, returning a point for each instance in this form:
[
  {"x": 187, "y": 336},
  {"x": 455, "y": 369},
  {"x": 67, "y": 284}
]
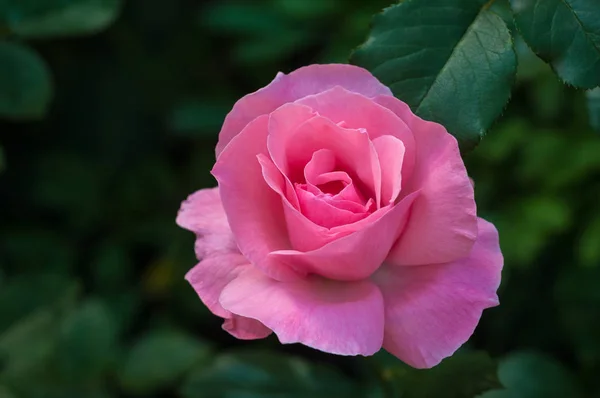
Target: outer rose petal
[
  {"x": 245, "y": 328},
  {"x": 305, "y": 81},
  {"x": 355, "y": 256},
  {"x": 339, "y": 318},
  {"x": 209, "y": 278},
  {"x": 431, "y": 310},
  {"x": 203, "y": 214},
  {"x": 443, "y": 223},
  {"x": 254, "y": 211},
  {"x": 221, "y": 262}
]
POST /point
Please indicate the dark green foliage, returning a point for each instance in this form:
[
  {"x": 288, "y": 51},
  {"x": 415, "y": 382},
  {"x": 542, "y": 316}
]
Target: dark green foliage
[
  {"x": 565, "y": 33},
  {"x": 57, "y": 18},
  {"x": 432, "y": 53},
  {"x": 25, "y": 83},
  {"x": 93, "y": 303},
  {"x": 260, "y": 374},
  {"x": 158, "y": 359}
]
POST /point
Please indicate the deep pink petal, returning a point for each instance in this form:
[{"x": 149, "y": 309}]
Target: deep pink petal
[
  {"x": 390, "y": 151},
  {"x": 357, "y": 111},
  {"x": 254, "y": 211},
  {"x": 431, "y": 310},
  {"x": 203, "y": 214},
  {"x": 303, "y": 233},
  {"x": 305, "y": 81},
  {"x": 329, "y": 214},
  {"x": 357, "y": 255},
  {"x": 320, "y": 172},
  {"x": 443, "y": 223},
  {"x": 339, "y": 318}
]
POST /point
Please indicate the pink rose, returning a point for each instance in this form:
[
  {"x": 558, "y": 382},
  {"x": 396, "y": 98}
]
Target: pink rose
[{"x": 341, "y": 221}]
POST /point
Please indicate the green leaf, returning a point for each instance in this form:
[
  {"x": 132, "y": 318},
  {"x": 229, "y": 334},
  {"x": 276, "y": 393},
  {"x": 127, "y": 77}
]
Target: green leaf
[
  {"x": 5, "y": 393},
  {"x": 593, "y": 106},
  {"x": 451, "y": 61},
  {"x": 564, "y": 33},
  {"x": 260, "y": 374},
  {"x": 58, "y": 18},
  {"x": 28, "y": 344},
  {"x": 463, "y": 375},
  {"x": 159, "y": 359},
  {"x": 533, "y": 375},
  {"x": 26, "y": 294},
  {"x": 86, "y": 342},
  {"x": 25, "y": 83}
]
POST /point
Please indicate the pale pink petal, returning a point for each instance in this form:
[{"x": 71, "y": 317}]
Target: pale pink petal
[
  {"x": 203, "y": 214},
  {"x": 357, "y": 255},
  {"x": 292, "y": 149},
  {"x": 339, "y": 318},
  {"x": 390, "y": 151},
  {"x": 254, "y": 211},
  {"x": 305, "y": 81},
  {"x": 431, "y": 310},
  {"x": 357, "y": 111},
  {"x": 443, "y": 223}
]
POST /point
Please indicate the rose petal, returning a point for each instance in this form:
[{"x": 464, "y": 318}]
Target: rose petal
[
  {"x": 203, "y": 214},
  {"x": 390, "y": 151},
  {"x": 339, "y": 318},
  {"x": 431, "y": 310},
  {"x": 329, "y": 214},
  {"x": 305, "y": 81},
  {"x": 357, "y": 255},
  {"x": 254, "y": 211},
  {"x": 319, "y": 171},
  {"x": 292, "y": 148},
  {"x": 357, "y": 111},
  {"x": 209, "y": 278},
  {"x": 245, "y": 328},
  {"x": 443, "y": 223}
]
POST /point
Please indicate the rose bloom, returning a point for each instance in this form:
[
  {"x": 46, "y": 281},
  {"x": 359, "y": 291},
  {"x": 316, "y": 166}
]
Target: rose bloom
[{"x": 341, "y": 221}]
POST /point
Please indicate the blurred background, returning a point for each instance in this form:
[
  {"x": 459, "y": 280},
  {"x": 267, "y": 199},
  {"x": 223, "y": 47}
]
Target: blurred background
[{"x": 93, "y": 303}]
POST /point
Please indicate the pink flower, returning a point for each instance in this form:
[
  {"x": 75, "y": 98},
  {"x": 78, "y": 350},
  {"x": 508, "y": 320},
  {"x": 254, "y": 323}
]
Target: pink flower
[{"x": 342, "y": 221}]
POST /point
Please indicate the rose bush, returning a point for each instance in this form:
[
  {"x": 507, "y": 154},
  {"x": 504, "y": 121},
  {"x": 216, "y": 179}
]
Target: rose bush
[{"x": 341, "y": 221}]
